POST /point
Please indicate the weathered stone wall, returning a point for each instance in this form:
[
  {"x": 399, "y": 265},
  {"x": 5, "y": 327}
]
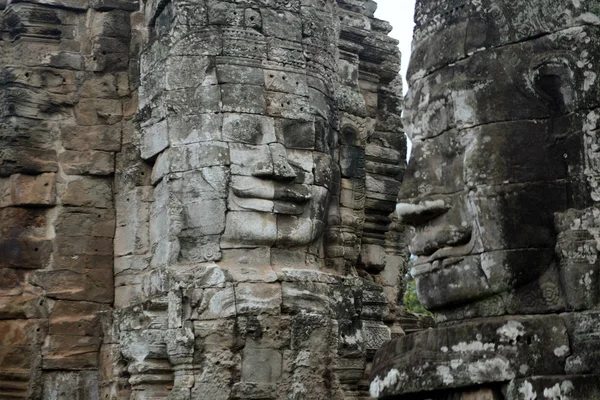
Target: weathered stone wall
[
  {"x": 64, "y": 104},
  {"x": 196, "y": 198}
]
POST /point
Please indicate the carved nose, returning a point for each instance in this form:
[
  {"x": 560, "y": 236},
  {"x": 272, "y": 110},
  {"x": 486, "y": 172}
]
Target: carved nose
[
  {"x": 436, "y": 226},
  {"x": 276, "y": 166},
  {"x": 421, "y": 213}
]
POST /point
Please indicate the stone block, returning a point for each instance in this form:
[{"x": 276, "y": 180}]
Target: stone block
[
  {"x": 186, "y": 129},
  {"x": 155, "y": 139},
  {"x": 482, "y": 351},
  {"x": 261, "y": 365},
  {"x": 198, "y": 155},
  {"x": 555, "y": 387},
  {"x": 282, "y": 24},
  {"x": 38, "y": 190},
  {"x": 214, "y": 335},
  {"x": 253, "y": 19},
  {"x": 99, "y": 137},
  {"x": 294, "y": 231},
  {"x": 205, "y": 42},
  {"x": 73, "y": 4},
  {"x": 83, "y": 285},
  {"x": 375, "y": 335},
  {"x": 76, "y": 385},
  {"x": 312, "y": 332},
  {"x": 133, "y": 216},
  {"x": 25, "y": 253},
  {"x": 91, "y": 112},
  {"x": 243, "y": 98},
  {"x": 104, "y": 86},
  {"x": 249, "y": 229},
  {"x": 20, "y": 365},
  {"x": 374, "y": 257},
  {"x": 249, "y": 265},
  {"x": 296, "y": 134},
  {"x": 108, "y": 55},
  {"x": 87, "y": 162},
  {"x": 217, "y": 304},
  {"x": 584, "y": 332},
  {"x": 199, "y": 248},
  {"x": 126, "y": 5},
  {"x": 265, "y": 331},
  {"x": 306, "y": 297},
  {"x": 247, "y": 159},
  {"x": 290, "y": 106},
  {"x": 25, "y": 306},
  {"x": 76, "y": 318},
  {"x": 258, "y": 298},
  {"x": 126, "y": 295},
  {"x": 285, "y": 52},
  {"x": 217, "y": 369},
  {"x": 27, "y": 160},
  {"x": 202, "y": 99},
  {"x": 252, "y": 390},
  {"x": 481, "y": 394},
  {"x": 244, "y": 44},
  {"x": 286, "y": 82},
  {"x": 23, "y": 332},
  {"x": 248, "y": 129},
  {"x": 131, "y": 265},
  {"x": 74, "y": 259},
  {"x": 71, "y": 352},
  {"x": 223, "y": 13},
  {"x": 184, "y": 72},
  {"x": 205, "y": 217},
  {"x": 205, "y": 276},
  {"x": 231, "y": 73},
  {"x": 113, "y": 24},
  {"x": 88, "y": 192}
]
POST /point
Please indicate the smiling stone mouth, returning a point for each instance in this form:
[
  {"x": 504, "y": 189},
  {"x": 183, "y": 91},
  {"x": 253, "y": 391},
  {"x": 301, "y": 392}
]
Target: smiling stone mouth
[
  {"x": 434, "y": 265},
  {"x": 294, "y": 194},
  {"x": 442, "y": 258}
]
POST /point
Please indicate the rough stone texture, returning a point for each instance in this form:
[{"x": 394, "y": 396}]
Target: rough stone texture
[
  {"x": 196, "y": 198},
  {"x": 258, "y": 258},
  {"x": 501, "y": 195},
  {"x": 64, "y": 95}
]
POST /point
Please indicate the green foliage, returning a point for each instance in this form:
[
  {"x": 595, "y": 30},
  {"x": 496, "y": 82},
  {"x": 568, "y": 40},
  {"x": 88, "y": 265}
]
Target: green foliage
[{"x": 411, "y": 301}]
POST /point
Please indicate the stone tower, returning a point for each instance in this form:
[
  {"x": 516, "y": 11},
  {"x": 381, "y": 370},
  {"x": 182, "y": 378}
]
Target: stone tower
[
  {"x": 196, "y": 198},
  {"x": 502, "y": 195}
]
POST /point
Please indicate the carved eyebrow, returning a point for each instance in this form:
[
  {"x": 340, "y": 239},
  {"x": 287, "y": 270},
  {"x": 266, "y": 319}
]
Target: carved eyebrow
[{"x": 557, "y": 57}]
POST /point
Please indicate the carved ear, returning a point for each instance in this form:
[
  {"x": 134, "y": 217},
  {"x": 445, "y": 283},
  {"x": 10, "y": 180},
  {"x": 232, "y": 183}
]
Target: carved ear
[{"x": 554, "y": 83}]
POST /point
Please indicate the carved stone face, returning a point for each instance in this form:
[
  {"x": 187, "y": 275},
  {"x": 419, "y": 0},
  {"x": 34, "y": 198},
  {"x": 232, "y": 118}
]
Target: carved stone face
[
  {"x": 498, "y": 149},
  {"x": 249, "y": 114},
  {"x": 281, "y": 164}
]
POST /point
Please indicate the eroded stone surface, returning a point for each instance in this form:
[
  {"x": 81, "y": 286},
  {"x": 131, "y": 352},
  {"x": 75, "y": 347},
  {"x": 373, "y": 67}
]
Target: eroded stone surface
[
  {"x": 501, "y": 196},
  {"x": 256, "y": 252},
  {"x": 62, "y": 112}
]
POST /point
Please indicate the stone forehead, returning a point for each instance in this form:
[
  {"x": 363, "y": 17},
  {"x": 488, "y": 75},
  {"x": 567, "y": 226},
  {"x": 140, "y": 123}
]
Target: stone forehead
[
  {"x": 447, "y": 31},
  {"x": 514, "y": 13}
]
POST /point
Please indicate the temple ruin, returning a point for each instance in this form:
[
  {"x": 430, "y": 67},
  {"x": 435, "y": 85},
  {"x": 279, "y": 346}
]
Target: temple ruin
[
  {"x": 197, "y": 199},
  {"x": 209, "y": 200}
]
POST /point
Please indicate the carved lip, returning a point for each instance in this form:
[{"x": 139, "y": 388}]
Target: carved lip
[
  {"x": 436, "y": 265},
  {"x": 442, "y": 258},
  {"x": 291, "y": 194}
]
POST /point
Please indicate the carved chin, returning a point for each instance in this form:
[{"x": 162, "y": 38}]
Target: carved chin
[
  {"x": 259, "y": 229},
  {"x": 451, "y": 282}
]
